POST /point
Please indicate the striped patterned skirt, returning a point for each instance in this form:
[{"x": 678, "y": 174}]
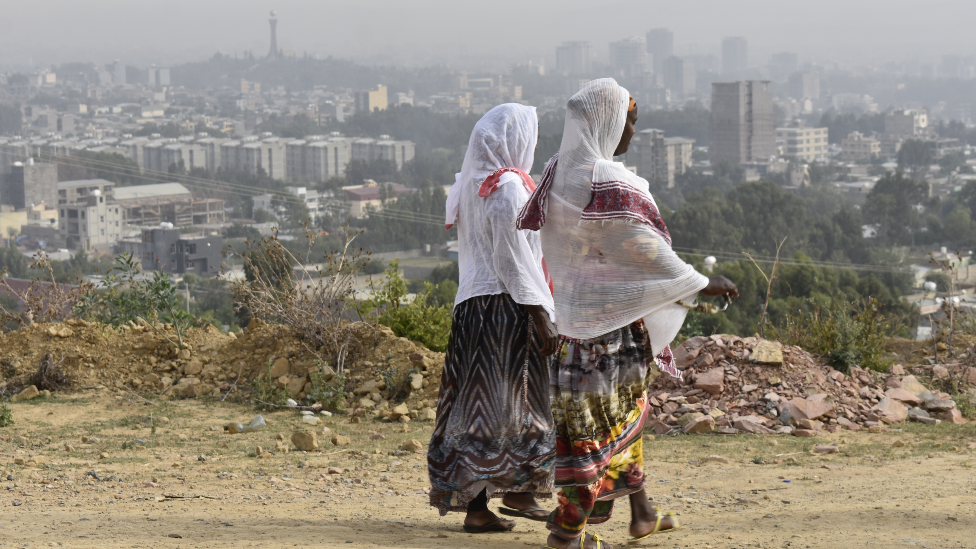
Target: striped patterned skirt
[
  {"x": 599, "y": 404},
  {"x": 494, "y": 426}
]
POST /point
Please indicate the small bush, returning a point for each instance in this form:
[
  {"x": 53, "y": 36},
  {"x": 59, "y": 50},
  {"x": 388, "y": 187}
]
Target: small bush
[
  {"x": 422, "y": 319},
  {"x": 845, "y": 335},
  {"x": 6, "y": 416}
]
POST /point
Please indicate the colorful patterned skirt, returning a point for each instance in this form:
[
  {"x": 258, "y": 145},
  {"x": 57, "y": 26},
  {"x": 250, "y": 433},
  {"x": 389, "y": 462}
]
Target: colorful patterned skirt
[
  {"x": 494, "y": 427},
  {"x": 599, "y": 404}
]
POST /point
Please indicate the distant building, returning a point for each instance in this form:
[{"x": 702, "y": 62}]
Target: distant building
[
  {"x": 859, "y": 148},
  {"x": 166, "y": 203},
  {"x": 166, "y": 249},
  {"x": 29, "y": 184},
  {"x": 808, "y": 144},
  {"x": 743, "y": 122},
  {"x": 735, "y": 55},
  {"x": 371, "y": 195},
  {"x": 782, "y": 65},
  {"x": 679, "y": 76},
  {"x": 574, "y": 58},
  {"x": 371, "y": 100},
  {"x": 660, "y": 45},
  {"x": 630, "y": 58},
  {"x": 90, "y": 225},
  {"x": 804, "y": 85},
  {"x": 906, "y": 123},
  {"x": 660, "y": 158},
  {"x": 384, "y": 148}
]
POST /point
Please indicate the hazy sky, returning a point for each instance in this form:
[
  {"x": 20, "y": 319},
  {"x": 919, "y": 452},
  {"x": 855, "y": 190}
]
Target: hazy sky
[{"x": 41, "y": 32}]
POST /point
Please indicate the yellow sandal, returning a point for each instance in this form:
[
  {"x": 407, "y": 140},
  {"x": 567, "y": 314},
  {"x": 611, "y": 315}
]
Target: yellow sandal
[
  {"x": 596, "y": 539},
  {"x": 657, "y": 525}
]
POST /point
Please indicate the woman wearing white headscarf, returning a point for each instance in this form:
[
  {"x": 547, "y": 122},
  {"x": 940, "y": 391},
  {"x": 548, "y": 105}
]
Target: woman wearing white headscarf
[
  {"x": 494, "y": 425},
  {"x": 617, "y": 286}
]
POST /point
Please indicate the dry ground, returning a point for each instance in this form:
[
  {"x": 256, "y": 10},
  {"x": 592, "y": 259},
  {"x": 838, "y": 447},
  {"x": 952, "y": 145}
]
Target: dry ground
[{"x": 875, "y": 495}]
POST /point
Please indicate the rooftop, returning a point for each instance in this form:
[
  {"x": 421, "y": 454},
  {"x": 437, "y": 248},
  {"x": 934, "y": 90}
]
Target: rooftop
[{"x": 150, "y": 191}]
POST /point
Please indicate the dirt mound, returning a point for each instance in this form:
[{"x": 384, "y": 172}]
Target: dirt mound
[
  {"x": 756, "y": 385},
  {"x": 148, "y": 361}
]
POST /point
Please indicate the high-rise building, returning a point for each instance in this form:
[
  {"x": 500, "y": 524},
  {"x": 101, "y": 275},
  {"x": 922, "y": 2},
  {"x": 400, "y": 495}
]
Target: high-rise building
[
  {"x": 679, "y": 76},
  {"x": 371, "y": 100},
  {"x": 735, "y": 54},
  {"x": 630, "y": 57},
  {"x": 118, "y": 72},
  {"x": 573, "y": 58},
  {"x": 782, "y": 65},
  {"x": 659, "y": 158},
  {"x": 274, "y": 54},
  {"x": 743, "y": 122},
  {"x": 804, "y": 85},
  {"x": 29, "y": 184},
  {"x": 660, "y": 44}
]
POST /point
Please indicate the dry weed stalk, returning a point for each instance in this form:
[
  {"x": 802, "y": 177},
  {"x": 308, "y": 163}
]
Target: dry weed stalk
[
  {"x": 45, "y": 299},
  {"x": 315, "y": 301},
  {"x": 764, "y": 319}
]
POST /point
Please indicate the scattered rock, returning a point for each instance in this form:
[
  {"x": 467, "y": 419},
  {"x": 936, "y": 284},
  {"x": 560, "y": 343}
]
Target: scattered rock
[
  {"x": 904, "y": 396},
  {"x": 939, "y": 405},
  {"x": 712, "y": 381},
  {"x": 411, "y": 445},
  {"x": 752, "y": 424},
  {"x": 715, "y": 459},
  {"x": 896, "y": 370},
  {"x": 335, "y": 471},
  {"x": 416, "y": 382},
  {"x": 910, "y": 384},
  {"x": 804, "y": 433},
  {"x": 704, "y": 424},
  {"x": 401, "y": 410},
  {"x": 768, "y": 353},
  {"x": 805, "y": 409},
  {"x": 305, "y": 441},
  {"x": 428, "y": 414},
  {"x": 891, "y": 410},
  {"x": 952, "y": 416},
  {"x": 27, "y": 394},
  {"x": 341, "y": 440},
  {"x": 279, "y": 368},
  {"x": 825, "y": 449}
]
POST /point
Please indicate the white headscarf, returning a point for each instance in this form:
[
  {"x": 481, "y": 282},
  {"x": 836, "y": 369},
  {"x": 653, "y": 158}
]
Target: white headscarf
[
  {"x": 504, "y": 137},
  {"x": 608, "y": 251}
]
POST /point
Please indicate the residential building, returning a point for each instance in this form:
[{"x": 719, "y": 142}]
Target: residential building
[
  {"x": 807, "y": 144},
  {"x": 166, "y": 203},
  {"x": 735, "y": 55},
  {"x": 906, "y": 123},
  {"x": 29, "y": 184},
  {"x": 859, "y": 148},
  {"x": 371, "y": 195},
  {"x": 371, "y": 100},
  {"x": 679, "y": 76},
  {"x": 70, "y": 192},
  {"x": 325, "y": 159},
  {"x": 660, "y": 158},
  {"x": 574, "y": 58},
  {"x": 314, "y": 200},
  {"x": 92, "y": 224},
  {"x": 660, "y": 46},
  {"x": 742, "y": 122},
  {"x": 384, "y": 148},
  {"x": 804, "y": 85},
  {"x": 629, "y": 57},
  {"x": 166, "y": 249}
]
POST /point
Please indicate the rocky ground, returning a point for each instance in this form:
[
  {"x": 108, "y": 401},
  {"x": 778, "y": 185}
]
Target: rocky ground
[{"x": 102, "y": 469}]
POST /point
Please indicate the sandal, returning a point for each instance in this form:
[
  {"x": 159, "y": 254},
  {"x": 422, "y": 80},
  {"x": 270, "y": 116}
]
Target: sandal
[
  {"x": 524, "y": 513},
  {"x": 657, "y": 525},
  {"x": 493, "y": 526},
  {"x": 597, "y": 540}
]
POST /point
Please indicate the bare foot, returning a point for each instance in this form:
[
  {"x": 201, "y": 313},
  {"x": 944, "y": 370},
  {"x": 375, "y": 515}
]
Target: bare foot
[
  {"x": 523, "y": 501},
  {"x": 559, "y": 543},
  {"x": 643, "y": 517}
]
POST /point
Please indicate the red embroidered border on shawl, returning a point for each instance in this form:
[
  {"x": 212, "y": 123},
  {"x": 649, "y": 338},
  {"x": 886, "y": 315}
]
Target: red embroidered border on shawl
[
  {"x": 616, "y": 200},
  {"x": 665, "y": 363},
  {"x": 533, "y": 214},
  {"x": 490, "y": 183}
]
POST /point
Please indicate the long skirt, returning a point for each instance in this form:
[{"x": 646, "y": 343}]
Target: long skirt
[
  {"x": 494, "y": 427},
  {"x": 599, "y": 404}
]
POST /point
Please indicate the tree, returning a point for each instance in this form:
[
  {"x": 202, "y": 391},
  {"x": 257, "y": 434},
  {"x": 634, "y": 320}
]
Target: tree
[
  {"x": 915, "y": 156},
  {"x": 242, "y": 231},
  {"x": 958, "y": 225},
  {"x": 892, "y": 205}
]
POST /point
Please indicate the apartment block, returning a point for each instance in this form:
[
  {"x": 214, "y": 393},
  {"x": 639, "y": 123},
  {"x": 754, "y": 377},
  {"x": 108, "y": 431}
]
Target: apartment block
[
  {"x": 92, "y": 224},
  {"x": 659, "y": 158},
  {"x": 743, "y": 128},
  {"x": 859, "y": 148},
  {"x": 807, "y": 144}
]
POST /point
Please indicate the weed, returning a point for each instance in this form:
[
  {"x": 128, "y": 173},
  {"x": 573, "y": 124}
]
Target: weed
[
  {"x": 759, "y": 460},
  {"x": 421, "y": 319},
  {"x": 6, "y": 416}
]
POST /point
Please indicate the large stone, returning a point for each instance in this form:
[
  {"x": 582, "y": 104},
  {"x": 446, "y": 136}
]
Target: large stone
[
  {"x": 411, "y": 445},
  {"x": 891, "y": 410},
  {"x": 704, "y": 424},
  {"x": 428, "y": 414},
  {"x": 26, "y": 394},
  {"x": 749, "y": 388},
  {"x": 916, "y": 413},
  {"x": 969, "y": 375},
  {"x": 896, "y": 370},
  {"x": 366, "y": 388},
  {"x": 939, "y": 405},
  {"x": 399, "y": 411},
  {"x": 686, "y": 354},
  {"x": 752, "y": 424},
  {"x": 416, "y": 382},
  {"x": 704, "y": 360},
  {"x": 295, "y": 386},
  {"x": 939, "y": 372},
  {"x": 910, "y": 384},
  {"x": 193, "y": 368},
  {"x": 712, "y": 381},
  {"x": 305, "y": 441},
  {"x": 804, "y": 433},
  {"x": 279, "y": 368},
  {"x": 904, "y": 396},
  {"x": 804, "y": 409},
  {"x": 366, "y": 403},
  {"x": 341, "y": 440},
  {"x": 688, "y": 418},
  {"x": 768, "y": 352},
  {"x": 952, "y": 416}
]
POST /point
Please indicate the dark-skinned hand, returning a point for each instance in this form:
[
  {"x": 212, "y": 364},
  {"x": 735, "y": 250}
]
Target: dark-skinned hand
[
  {"x": 544, "y": 327},
  {"x": 719, "y": 285}
]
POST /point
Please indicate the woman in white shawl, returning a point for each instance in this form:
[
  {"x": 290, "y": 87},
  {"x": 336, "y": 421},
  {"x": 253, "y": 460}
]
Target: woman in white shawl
[
  {"x": 494, "y": 425},
  {"x": 617, "y": 286}
]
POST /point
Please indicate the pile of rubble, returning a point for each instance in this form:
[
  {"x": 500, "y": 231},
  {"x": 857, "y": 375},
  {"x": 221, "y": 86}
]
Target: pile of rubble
[{"x": 753, "y": 385}]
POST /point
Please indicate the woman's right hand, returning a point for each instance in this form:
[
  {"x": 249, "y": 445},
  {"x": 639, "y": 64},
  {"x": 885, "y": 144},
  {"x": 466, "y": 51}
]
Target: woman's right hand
[{"x": 719, "y": 285}]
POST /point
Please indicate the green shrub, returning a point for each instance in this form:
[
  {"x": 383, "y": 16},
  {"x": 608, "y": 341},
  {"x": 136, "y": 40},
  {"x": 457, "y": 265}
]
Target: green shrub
[
  {"x": 422, "y": 319},
  {"x": 6, "y": 416},
  {"x": 844, "y": 334}
]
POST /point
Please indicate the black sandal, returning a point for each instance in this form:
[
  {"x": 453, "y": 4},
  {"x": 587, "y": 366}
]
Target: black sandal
[
  {"x": 524, "y": 513},
  {"x": 493, "y": 526}
]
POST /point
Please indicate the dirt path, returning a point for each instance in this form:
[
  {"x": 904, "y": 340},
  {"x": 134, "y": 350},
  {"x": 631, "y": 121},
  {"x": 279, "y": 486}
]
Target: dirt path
[{"x": 875, "y": 495}]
